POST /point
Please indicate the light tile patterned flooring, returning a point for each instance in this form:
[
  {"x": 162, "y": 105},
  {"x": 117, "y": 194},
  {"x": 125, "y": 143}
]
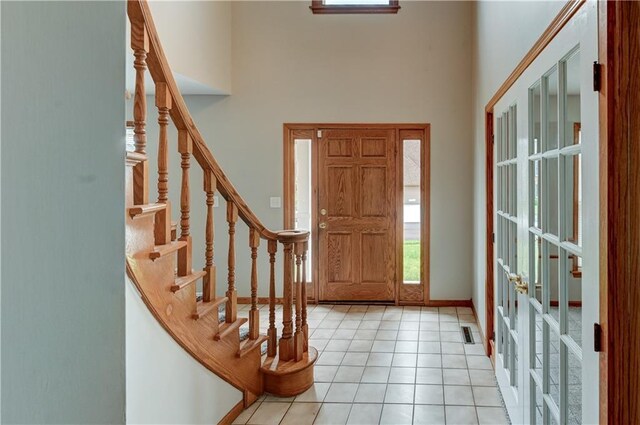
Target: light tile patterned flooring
[{"x": 389, "y": 365}]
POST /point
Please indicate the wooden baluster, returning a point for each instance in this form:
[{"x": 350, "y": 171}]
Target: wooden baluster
[
  {"x": 163, "y": 218},
  {"x": 140, "y": 46},
  {"x": 209, "y": 281},
  {"x": 285, "y": 348},
  {"x": 298, "y": 345},
  {"x": 185, "y": 147},
  {"x": 254, "y": 315},
  {"x": 163, "y": 103},
  {"x": 232, "y": 304},
  {"x": 305, "y": 326},
  {"x": 272, "y": 333}
]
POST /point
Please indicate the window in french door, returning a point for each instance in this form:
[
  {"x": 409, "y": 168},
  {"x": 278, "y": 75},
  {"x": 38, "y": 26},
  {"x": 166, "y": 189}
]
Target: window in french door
[
  {"x": 555, "y": 245},
  {"x": 506, "y": 238}
]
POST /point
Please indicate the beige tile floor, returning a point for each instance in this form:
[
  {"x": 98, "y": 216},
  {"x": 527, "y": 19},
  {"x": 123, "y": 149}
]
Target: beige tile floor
[{"x": 389, "y": 365}]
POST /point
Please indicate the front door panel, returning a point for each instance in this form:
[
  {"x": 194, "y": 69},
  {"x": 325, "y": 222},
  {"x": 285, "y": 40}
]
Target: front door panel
[{"x": 356, "y": 198}]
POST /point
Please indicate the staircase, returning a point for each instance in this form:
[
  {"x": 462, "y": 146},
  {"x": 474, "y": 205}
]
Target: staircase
[{"x": 159, "y": 252}]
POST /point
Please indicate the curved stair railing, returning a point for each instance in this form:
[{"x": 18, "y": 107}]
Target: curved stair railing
[{"x": 159, "y": 257}]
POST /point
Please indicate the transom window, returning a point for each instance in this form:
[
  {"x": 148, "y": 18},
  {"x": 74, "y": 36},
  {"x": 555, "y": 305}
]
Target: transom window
[{"x": 354, "y": 6}]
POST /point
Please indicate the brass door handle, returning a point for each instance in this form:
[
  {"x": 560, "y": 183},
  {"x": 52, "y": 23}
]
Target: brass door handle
[
  {"x": 520, "y": 285},
  {"x": 514, "y": 278},
  {"x": 322, "y": 225}
]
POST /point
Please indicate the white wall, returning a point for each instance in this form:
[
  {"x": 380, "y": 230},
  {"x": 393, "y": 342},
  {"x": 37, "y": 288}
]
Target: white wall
[
  {"x": 292, "y": 66},
  {"x": 164, "y": 383},
  {"x": 63, "y": 326},
  {"x": 196, "y": 37},
  {"x": 503, "y": 33}
]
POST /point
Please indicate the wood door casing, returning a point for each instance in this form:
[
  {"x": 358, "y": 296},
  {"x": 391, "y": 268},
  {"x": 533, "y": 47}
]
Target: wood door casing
[{"x": 356, "y": 187}]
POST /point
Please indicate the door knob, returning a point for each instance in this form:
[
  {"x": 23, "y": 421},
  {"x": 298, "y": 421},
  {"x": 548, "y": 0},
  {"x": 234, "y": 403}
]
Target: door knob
[{"x": 323, "y": 225}]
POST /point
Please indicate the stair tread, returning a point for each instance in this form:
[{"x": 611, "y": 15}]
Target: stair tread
[
  {"x": 202, "y": 308},
  {"x": 146, "y": 209},
  {"x": 135, "y": 158},
  {"x": 226, "y": 328},
  {"x": 249, "y": 345},
  {"x": 184, "y": 281},
  {"x": 162, "y": 250}
]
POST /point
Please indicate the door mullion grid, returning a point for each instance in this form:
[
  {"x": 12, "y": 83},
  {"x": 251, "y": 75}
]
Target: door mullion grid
[
  {"x": 531, "y": 375},
  {"x": 544, "y": 226},
  {"x": 563, "y": 292},
  {"x": 512, "y": 122},
  {"x": 500, "y": 235},
  {"x": 513, "y": 112}
]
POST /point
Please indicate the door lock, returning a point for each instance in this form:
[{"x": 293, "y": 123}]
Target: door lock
[
  {"x": 323, "y": 212},
  {"x": 323, "y": 225}
]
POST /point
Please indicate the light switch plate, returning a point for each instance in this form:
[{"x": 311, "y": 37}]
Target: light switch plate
[
  {"x": 216, "y": 201},
  {"x": 275, "y": 202}
]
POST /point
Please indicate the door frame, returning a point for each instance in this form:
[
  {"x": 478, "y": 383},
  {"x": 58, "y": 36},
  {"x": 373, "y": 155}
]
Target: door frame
[
  {"x": 292, "y": 131},
  {"x": 618, "y": 40}
]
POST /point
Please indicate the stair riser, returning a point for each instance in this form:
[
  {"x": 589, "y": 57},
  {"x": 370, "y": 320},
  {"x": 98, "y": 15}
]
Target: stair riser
[{"x": 139, "y": 234}]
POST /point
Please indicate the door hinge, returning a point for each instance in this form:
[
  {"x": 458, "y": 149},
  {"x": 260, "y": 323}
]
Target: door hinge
[
  {"x": 493, "y": 336},
  {"x": 493, "y": 139},
  {"x": 597, "y": 337},
  {"x": 493, "y": 238},
  {"x": 319, "y": 134},
  {"x": 597, "y": 76}
]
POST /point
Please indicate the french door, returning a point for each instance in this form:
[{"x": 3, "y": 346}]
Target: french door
[{"x": 546, "y": 221}]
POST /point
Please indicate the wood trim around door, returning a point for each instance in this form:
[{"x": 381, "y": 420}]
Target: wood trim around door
[
  {"x": 563, "y": 17},
  {"x": 309, "y": 131},
  {"x": 619, "y": 52}
]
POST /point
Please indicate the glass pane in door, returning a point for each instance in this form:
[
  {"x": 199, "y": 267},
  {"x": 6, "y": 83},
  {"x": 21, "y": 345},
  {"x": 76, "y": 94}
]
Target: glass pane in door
[
  {"x": 302, "y": 196},
  {"x": 412, "y": 210}
]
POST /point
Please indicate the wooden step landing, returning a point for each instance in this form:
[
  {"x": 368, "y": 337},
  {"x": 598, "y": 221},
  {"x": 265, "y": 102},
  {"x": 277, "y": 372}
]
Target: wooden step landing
[
  {"x": 202, "y": 308},
  {"x": 248, "y": 345},
  {"x": 138, "y": 211},
  {"x": 286, "y": 379},
  {"x": 227, "y": 328},
  {"x": 162, "y": 250},
  {"x": 184, "y": 281}
]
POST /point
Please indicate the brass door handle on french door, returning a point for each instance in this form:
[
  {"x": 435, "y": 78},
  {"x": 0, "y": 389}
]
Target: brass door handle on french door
[
  {"x": 520, "y": 285},
  {"x": 322, "y": 225}
]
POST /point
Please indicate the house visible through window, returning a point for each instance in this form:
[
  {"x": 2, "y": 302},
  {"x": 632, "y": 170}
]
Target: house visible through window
[{"x": 354, "y": 6}]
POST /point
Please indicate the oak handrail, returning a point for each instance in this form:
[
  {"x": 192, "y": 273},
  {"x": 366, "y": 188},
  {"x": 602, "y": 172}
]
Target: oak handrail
[{"x": 158, "y": 66}]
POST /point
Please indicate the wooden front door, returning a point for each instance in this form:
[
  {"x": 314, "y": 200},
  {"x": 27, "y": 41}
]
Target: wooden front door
[{"x": 356, "y": 214}]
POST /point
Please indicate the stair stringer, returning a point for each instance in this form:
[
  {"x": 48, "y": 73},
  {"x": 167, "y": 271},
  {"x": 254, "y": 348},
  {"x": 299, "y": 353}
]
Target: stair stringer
[{"x": 173, "y": 312}]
